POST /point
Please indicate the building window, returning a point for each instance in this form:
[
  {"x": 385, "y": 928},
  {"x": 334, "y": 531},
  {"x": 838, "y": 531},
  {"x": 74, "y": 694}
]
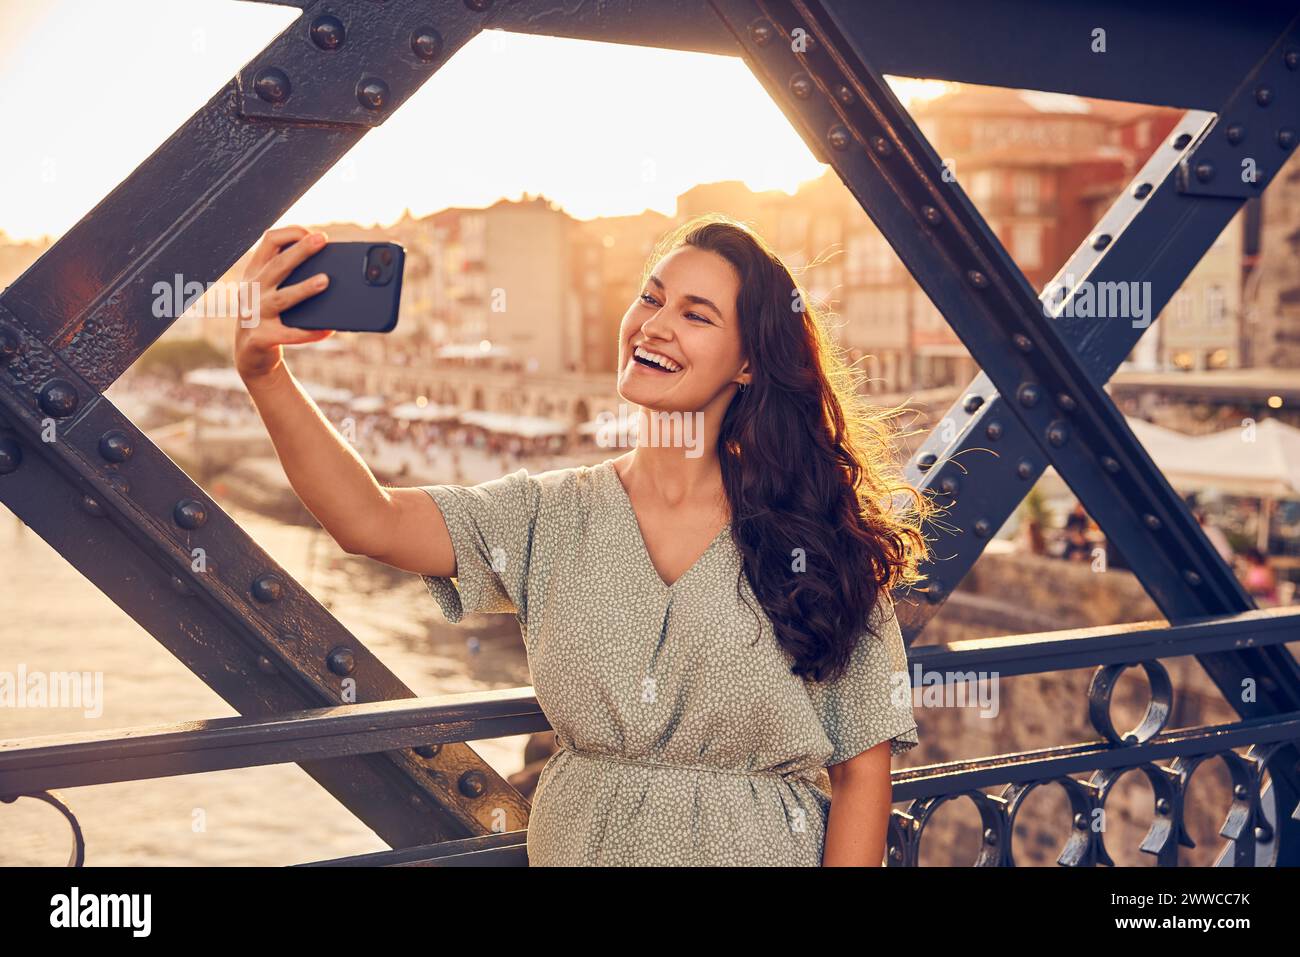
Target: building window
[
  {"x": 1024, "y": 187},
  {"x": 1215, "y": 305},
  {"x": 1027, "y": 245},
  {"x": 981, "y": 186}
]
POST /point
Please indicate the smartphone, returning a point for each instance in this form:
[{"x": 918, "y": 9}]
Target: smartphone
[{"x": 364, "y": 293}]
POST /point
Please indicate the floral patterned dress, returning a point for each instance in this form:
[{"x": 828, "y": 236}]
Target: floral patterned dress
[{"x": 683, "y": 737}]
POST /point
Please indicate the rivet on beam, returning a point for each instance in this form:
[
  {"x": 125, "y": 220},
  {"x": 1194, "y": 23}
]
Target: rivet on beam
[
  {"x": 977, "y": 279},
  {"x": 1025, "y": 469},
  {"x": 266, "y": 665},
  {"x": 372, "y": 93},
  {"x": 1110, "y": 464},
  {"x": 1235, "y": 133},
  {"x": 973, "y": 403},
  {"x": 1151, "y": 521},
  {"x": 58, "y": 398},
  {"x": 327, "y": 32},
  {"x": 273, "y": 85},
  {"x": 472, "y": 784},
  {"x": 838, "y": 137},
  {"x": 1286, "y": 138},
  {"x": 1023, "y": 342},
  {"x": 190, "y": 513},
  {"x": 115, "y": 445},
  {"x": 760, "y": 31},
  {"x": 268, "y": 588},
  {"x": 426, "y": 43},
  {"x": 949, "y": 485},
  {"x": 801, "y": 87},
  {"x": 11, "y": 456},
  {"x": 845, "y": 95},
  {"x": 882, "y": 146},
  {"x": 1264, "y": 96},
  {"x": 935, "y": 592},
  {"x": 983, "y": 527},
  {"x": 1058, "y": 434},
  {"x": 91, "y": 505},
  {"x": 341, "y": 661},
  {"x": 1191, "y": 577},
  {"x": 1029, "y": 394},
  {"x": 1066, "y": 402},
  {"x": 427, "y": 750},
  {"x": 993, "y": 431},
  {"x": 931, "y": 215},
  {"x": 479, "y": 6},
  {"x": 1205, "y": 171}
]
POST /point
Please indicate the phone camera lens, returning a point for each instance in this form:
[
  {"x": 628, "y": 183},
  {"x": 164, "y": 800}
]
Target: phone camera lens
[
  {"x": 372, "y": 272},
  {"x": 386, "y": 255}
]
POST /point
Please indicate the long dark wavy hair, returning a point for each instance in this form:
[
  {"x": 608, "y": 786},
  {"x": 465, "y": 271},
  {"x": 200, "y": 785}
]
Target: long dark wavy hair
[{"x": 807, "y": 464}]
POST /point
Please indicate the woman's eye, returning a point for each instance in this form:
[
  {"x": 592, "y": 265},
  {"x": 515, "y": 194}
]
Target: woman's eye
[
  {"x": 646, "y": 298},
  {"x": 696, "y": 315}
]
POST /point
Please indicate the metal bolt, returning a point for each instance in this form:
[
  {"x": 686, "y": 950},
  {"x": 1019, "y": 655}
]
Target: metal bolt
[
  {"x": 1110, "y": 464},
  {"x": 977, "y": 279},
  {"x": 1181, "y": 141},
  {"x": 1204, "y": 171},
  {"x": 327, "y": 32},
  {"x": 1025, "y": 470},
  {"x": 372, "y": 93},
  {"x": 926, "y": 461},
  {"x": 838, "y": 137},
  {"x": 1029, "y": 394},
  {"x": 1066, "y": 402},
  {"x": 472, "y": 784},
  {"x": 1264, "y": 96},
  {"x": 1023, "y": 342},
  {"x": 1151, "y": 521},
  {"x": 760, "y": 31},
  {"x": 115, "y": 445},
  {"x": 801, "y": 87},
  {"x": 931, "y": 215},
  {"x": 948, "y": 485},
  {"x": 479, "y": 6},
  {"x": 844, "y": 95},
  {"x": 935, "y": 592},
  {"x": 268, "y": 588},
  {"x": 427, "y": 750},
  {"x": 58, "y": 398},
  {"x": 273, "y": 85},
  {"x": 1292, "y": 59},
  {"x": 983, "y": 527},
  {"x": 1240, "y": 791},
  {"x": 91, "y": 505},
  {"x": 1143, "y": 191},
  {"x": 1101, "y": 241},
  {"x": 1162, "y": 806},
  {"x": 426, "y": 43},
  {"x": 994, "y": 431},
  {"x": 1286, "y": 138},
  {"x": 1058, "y": 434},
  {"x": 341, "y": 661},
  {"x": 11, "y": 456},
  {"x": 882, "y": 146},
  {"x": 190, "y": 513},
  {"x": 266, "y": 665},
  {"x": 1191, "y": 577},
  {"x": 1235, "y": 133},
  {"x": 973, "y": 403}
]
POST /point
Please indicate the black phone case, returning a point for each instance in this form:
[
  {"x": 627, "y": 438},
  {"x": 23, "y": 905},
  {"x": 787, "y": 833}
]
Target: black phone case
[{"x": 349, "y": 303}]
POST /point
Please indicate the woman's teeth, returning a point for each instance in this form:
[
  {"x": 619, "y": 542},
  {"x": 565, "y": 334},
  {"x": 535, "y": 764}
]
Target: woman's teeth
[{"x": 660, "y": 363}]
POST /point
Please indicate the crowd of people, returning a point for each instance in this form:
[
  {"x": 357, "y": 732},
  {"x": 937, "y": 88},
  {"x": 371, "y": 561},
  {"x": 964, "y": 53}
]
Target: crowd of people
[{"x": 1080, "y": 537}]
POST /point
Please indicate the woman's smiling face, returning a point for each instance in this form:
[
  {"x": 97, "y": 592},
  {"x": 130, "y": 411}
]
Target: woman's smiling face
[{"x": 686, "y": 315}]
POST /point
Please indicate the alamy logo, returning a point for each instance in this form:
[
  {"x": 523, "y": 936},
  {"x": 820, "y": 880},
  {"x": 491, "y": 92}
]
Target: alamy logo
[
  {"x": 1100, "y": 300},
  {"x": 102, "y": 910}
]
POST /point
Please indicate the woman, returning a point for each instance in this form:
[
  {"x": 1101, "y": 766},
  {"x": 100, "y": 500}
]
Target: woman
[
  {"x": 706, "y": 617},
  {"x": 1260, "y": 579}
]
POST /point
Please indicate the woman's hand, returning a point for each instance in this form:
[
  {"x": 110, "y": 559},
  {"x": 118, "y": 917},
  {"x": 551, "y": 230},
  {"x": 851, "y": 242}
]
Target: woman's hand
[{"x": 260, "y": 334}]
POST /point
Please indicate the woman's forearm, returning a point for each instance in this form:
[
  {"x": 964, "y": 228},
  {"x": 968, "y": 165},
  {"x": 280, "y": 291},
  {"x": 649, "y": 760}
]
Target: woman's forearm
[
  {"x": 858, "y": 823},
  {"x": 325, "y": 472}
]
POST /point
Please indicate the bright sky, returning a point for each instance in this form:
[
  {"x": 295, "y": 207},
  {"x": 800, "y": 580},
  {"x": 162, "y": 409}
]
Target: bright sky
[{"x": 89, "y": 88}]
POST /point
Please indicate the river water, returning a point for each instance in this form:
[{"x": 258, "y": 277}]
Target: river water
[{"x": 56, "y": 621}]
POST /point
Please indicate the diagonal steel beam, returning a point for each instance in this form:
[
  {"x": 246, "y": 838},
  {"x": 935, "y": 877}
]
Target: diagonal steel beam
[
  {"x": 81, "y": 475},
  {"x": 803, "y": 56}
]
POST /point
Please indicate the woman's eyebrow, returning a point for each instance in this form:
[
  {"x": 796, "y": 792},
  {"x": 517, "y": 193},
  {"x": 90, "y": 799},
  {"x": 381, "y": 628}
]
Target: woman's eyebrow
[{"x": 699, "y": 300}]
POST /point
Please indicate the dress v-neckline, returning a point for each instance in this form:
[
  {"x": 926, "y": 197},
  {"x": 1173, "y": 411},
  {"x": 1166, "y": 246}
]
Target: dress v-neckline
[{"x": 626, "y": 500}]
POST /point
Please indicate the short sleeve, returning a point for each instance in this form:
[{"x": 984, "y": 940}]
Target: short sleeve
[
  {"x": 871, "y": 701},
  {"x": 492, "y": 526}
]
